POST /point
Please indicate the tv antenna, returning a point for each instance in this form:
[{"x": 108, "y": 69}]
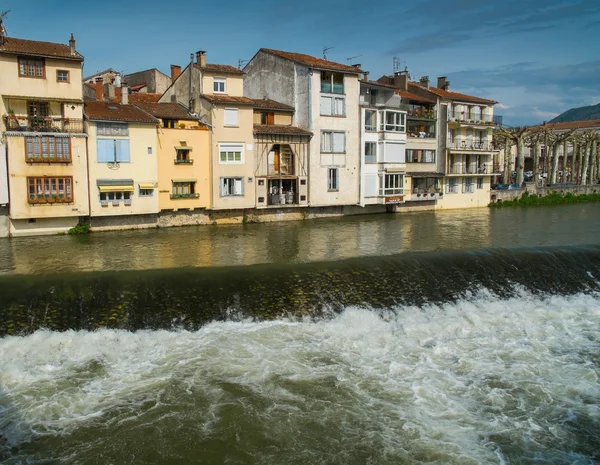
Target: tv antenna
[
  {"x": 325, "y": 49},
  {"x": 242, "y": 62},
  {"x": 352, "y": 58},
  {"x": 396, "y": 64},
  {"x": 2, "y": 28}
]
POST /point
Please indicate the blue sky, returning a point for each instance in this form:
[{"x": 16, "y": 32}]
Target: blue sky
[{"x": 536, "y": 57}]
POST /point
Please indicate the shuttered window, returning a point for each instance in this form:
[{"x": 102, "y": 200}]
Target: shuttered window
[
  {"x": 113, "y": 151},
  {"x": 230, "y": 117}
]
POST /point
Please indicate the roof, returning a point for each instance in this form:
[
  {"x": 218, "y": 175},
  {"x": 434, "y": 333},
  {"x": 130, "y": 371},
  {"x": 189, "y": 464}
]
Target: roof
[
  {"x": 166, "y": 110},
  {"x": 143, "y": 97},
  {"x": 109, "y": 111},
  {"x": 585, "y": 124},
  {"x": 453, "y": 95},
  {"x": 268, "y": 104},
  {"x": 219, "y": 68},
  {"x": 138, "y": 87},
  {"x": 313, "y": 62},
  {"x": 378, "y": 84},
  {"x": 411, "y": 96},
  {"x": 145, "y": 71},
  {"x": 100, "y": 73},
  {"x": 214, "y": 98},
  {"x": 40, "y": 49},
  {"x": 280, "y": 130}
]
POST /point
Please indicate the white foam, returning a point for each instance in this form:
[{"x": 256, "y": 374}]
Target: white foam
[{"x": 446, "y": 380}]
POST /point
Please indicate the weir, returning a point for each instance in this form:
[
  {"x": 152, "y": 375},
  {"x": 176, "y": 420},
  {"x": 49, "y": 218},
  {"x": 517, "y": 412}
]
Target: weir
[{"x": 187, "y": 298}]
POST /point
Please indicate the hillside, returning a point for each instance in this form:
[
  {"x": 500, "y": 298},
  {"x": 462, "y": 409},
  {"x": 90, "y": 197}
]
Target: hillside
[{"x": 578, "y": 114}]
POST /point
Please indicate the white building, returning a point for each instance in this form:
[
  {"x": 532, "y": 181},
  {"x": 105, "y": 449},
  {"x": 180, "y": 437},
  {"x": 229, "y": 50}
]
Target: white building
[{"x": 324, "y": 95}]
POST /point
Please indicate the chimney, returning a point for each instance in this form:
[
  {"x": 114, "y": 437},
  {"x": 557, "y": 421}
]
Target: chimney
[
  {"x": 108, "y": 91},
  {"x": 424, "y": 82},
  {"x": 72, "y": 45},
  {"x": 443, "y": 83},
  {"x": 366, "y": 76},
  {"x": 201, "y": 58},
  {"x": 99, "y": 92},
  {"x": 401, "y": 80},
  {"x": 124, "y": 93},
  {"x": 175, "y": 72}
]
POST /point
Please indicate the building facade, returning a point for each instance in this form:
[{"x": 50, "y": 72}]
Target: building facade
[
  {"x": 324, "y": 96},
  {"x": 44, "y": 150}
]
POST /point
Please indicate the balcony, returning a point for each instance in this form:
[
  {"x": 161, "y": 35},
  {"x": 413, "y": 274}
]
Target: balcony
[
  {"x": 420, "y": 195},
  {"x": 465, "y": 144},
  {"x": 470, "y": 117},
  {"x": 473, "y": 169},
  {"x": 43, "y": 124},
  {"x": 418, "y": 112},
  {"x": 185, "y": 196},
  {"x": 179, "y": 161}
]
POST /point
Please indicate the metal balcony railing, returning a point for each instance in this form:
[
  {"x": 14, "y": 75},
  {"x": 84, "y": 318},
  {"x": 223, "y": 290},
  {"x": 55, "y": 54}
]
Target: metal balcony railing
[
  {"x": 463, "y": 168},
  {"x": 421, "y": 112},
  {"x": 465, "y": 144},
  {"x": 43, "y": 124},
  {"x": 470, "y": 117}
]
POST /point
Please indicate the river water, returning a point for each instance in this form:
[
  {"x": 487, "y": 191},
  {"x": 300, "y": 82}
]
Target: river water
[{"x": 455, "y": 337}]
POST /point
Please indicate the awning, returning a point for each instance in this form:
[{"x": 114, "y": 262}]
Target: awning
[
  {"x": 114, "y": 182},
  {"x": 115, "y": 188},
  {"x": 184, "y": 180},
  {"x": 395, "y": 170},
  {"x": 183, "y": 147},
  {"x": 146, "y": 185},
  {"x": 425, "y": 175}
]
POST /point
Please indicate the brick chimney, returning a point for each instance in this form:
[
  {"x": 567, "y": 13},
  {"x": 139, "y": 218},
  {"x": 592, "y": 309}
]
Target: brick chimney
[
  {"x": 99, "y": 91},
  {"x": 443, "y": 83},
  {"x": 108, "y": 91},
  {"x": 175, "y": 72},
  {"x": 72, "y": 45},
  {"x": 366, "y": 76},
  {"x": 424, "y": 82},
  {"x": 124, "y": 93},
  {"x": 401, "y": 80},
  {"x": 201, "y": 58}
]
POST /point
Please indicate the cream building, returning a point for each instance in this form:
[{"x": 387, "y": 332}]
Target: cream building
[
  {"x": 44, "y": 139},
  {"x": 184, "y": 171},
  {"x": 324, "y": 95},
  {"x": 123, "y": 165}
]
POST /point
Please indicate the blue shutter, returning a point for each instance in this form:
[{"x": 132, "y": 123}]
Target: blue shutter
[
  {"x": 106, "y": 150},
  {"x": 123, "y": 150}
]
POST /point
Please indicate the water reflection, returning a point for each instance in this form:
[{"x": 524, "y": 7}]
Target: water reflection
[{"x": 302, "y": 241}]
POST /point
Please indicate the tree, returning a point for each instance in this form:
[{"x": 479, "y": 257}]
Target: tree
[
  {"x": 516, "y": 136},
  {"x": 501, "y": 142},
  {"x": 558, "y": 140}
]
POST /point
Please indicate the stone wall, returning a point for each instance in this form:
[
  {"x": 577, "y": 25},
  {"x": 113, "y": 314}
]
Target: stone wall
[
  {"x": 4, "y": 222},
  {"x": 542, "y": 191}
]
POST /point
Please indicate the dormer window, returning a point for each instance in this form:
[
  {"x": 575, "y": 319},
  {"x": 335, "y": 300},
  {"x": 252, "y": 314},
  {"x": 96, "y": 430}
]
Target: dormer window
[
  {"x": 219, "y": 85},
  {"x": 332, "y": 82},
  {"x": 267, "y": 117},
  {"x": 32, "y": 67}
]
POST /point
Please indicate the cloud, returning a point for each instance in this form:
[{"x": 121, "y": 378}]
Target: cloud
[{"x": 502, "y": 106}]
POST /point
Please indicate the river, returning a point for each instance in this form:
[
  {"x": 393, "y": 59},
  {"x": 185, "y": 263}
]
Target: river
[{"x": 462, "y": 337}]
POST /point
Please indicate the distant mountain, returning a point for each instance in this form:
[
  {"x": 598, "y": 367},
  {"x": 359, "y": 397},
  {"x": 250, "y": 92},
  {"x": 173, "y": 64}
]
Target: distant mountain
[{"x": 578, "y": 114}]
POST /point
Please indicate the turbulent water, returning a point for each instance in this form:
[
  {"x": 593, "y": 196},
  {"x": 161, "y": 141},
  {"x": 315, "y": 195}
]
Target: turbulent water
[{"x": 487, "y": 355}]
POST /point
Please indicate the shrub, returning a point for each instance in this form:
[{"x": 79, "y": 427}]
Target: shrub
[{"x": 80, "y": 229}]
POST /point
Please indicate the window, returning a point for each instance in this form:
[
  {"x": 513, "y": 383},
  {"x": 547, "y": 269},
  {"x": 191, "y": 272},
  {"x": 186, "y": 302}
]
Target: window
[
  {"x": 47, "y": 149},
  {"x": 50, "y": 190},
  {"x": 231, "y": 153},
  {"x": 232, "y": 187},
  {"x": 219, "y": 85},
  {"x": 280, "y": 161},
  {"x": 393, "y": 184},
  {"x": 452, "y": 186},
  {"x": 169, "y": 123},
  {"x": 333, "y": 142},
  {"x": 184, "y": 189},
  {"x": 333, "y": 106},
  {"x": 113, "y": 151},
  {"x": 392, "y": 121},
  {"x": 420, "y": 156},
  {"x": 146, "y": 192},
  {"x": 112, "y": 129},
  {"x": 479, "y": 183},
  {"x": 62, "y": 75},
  {"x": 37, "y": 109},
  {"x": 333, "y": 179},
  {"x": 230, "y": 117},
  {"x": 117, "y": 196},
  {"x": 32, "y": 68},
  {"x": 183, "y": 156},
  {"x": 332, "y": 82},
  {"x": 370, "y": 152},
  {"x": 370, "y": 120},
  {"x": 267, "y": 118},
  {"x": 468, "y": 185}
]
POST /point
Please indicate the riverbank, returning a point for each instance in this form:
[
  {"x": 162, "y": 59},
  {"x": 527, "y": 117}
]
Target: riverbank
[{"x": 554, "y": 198}]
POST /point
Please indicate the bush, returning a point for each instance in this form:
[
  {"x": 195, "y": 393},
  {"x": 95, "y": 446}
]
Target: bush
[
  {"x": 80, "y": 229},
  {"x": 554, "y": 198}
]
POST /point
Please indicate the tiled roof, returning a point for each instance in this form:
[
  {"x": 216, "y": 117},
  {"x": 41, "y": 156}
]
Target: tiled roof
[
  {"x": 376, "y": 83},
  {"x": 213, "y": 98},
  {"x": 166, "y": 110},
  {"x": 280, "y": 130},
  {"x": 453, "y": 95},
  {"x": 138, "y": 87},
  {"x": 268, "y": 104},
  {"x": 142, "y": 97},
  {"x": 313, "y": 62},
  {"x": 411, "y": 96},
  {"x": 109, "y": 111},
  {"x": 40, "y": 49},
  {"x": 220, "y": 68},
  {"x": 586, "y": 124}
]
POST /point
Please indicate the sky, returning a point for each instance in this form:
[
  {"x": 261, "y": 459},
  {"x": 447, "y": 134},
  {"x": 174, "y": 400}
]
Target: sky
[{"x": 537, "y": 58}]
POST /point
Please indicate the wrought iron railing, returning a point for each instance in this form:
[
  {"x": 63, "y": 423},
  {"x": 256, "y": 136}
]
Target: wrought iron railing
[{"x": 43, "y": 124}]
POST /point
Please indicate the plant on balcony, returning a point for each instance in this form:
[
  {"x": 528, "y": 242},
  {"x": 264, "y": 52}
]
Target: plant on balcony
[{"x": 181, "y": 125}]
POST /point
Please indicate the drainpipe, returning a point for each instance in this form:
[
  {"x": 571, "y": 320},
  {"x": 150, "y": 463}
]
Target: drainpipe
[
  {"x": 191, "y": 97},
  {"x": 310, "y": 126}
]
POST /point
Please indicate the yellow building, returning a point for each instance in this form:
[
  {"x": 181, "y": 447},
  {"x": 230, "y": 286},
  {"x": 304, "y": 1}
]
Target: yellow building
[
  {"x": 184, "y": 172},
  {"x": 44, "y": 139},
  {"x": 123, "y": 166}
]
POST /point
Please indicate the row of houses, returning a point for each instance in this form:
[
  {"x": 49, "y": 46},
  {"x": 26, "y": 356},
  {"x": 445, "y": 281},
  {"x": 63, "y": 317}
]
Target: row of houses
[{"x": 289, "y": 136}]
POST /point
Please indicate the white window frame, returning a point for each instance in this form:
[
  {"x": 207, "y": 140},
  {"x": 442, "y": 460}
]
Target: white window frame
[
  {"x": 230, "y": 111},
  {"x": 328, "y": 146},
  {"x": 372, "y": 158},
  {"x": 331, "y": 109},
  {"x": 333, "y": 179},
  {"x": 217, "y": 81},
  {"x": 480, "y": 182},
  {"x": 227, "y": 186},
  {"x": 394, "y": 127},
  {"x": 145, "y": 192},
  {"x": 392, "y": 184},
  {"x": 468, "y": 185},
  {"x": 228, "y": 149},
  {"x": 452, "y": 186}
]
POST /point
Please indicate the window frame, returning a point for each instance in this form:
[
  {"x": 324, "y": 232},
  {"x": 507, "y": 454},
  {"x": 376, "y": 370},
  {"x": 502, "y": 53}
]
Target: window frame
[
  {"x": 32, "y": 181},
  {"x": 333, "y": 106},
  {"x": 384, "y": 125},
  {"x": 28, "y": 61},
  {"x": 324, "y": 134},
  {"x": 117, "y": 196},
  {"x": 480, "y": 182},
  {"x": 112, "y": 129},
  {"x": 333, "y": 182},
  {"x": 372, "y": 127},
  {"x": 67, "y": 80},
  {"x": 178, "y": 189},
  {"x": 397, "y": 188},
  {"x": 241, "y": 161},
  {"x": 225, "y": 180},
  {"x": 115, "y": 150},
  {"x": 369, "y": 159},
  {"x": 237, "y": 118},
  {"x": 468, "y": 188},
  {"x": 30, "y": 141},
  {"x": 219, "y": 80},
  {"x": 452, "y": 186},
  {"x": 332, "y": 84},
  {"x": 145, "y": 192}
]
